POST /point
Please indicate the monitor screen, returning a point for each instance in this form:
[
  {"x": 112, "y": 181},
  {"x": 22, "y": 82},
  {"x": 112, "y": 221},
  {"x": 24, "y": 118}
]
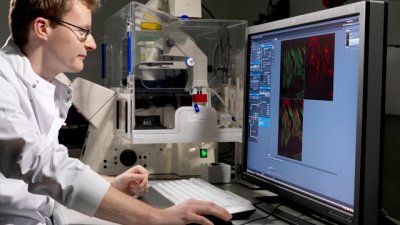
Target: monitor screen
[{"x": 308, "y": 107}]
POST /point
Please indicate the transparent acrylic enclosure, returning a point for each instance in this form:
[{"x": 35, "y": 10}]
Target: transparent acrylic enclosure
[{"x": 165, "y": 63}]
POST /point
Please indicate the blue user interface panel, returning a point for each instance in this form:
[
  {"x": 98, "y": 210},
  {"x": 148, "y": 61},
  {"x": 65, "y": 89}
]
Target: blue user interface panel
[{"x": 302, "y": 108}]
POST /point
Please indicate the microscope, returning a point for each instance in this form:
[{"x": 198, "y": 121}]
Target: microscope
[{"x": 172, "y": 91}]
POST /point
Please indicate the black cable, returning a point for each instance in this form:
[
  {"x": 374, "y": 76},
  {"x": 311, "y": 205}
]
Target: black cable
[
  {"x": 264, "y": 217},
  {"x": 208, "y": 11}
]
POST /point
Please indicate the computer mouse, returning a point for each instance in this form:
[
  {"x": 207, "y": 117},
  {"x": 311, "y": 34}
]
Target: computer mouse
[{"x": 216, "y": 220}]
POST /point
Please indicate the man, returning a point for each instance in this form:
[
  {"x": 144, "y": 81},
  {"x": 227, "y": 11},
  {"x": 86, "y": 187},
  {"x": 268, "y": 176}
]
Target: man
[{"x": 49, "y": 37}]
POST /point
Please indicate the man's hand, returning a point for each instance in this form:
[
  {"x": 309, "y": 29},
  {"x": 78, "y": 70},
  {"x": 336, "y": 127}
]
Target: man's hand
[
  {"x": 123, "y": 209},
  {"x": 134, "y": 181},
  {"x": 193, "y": 211}
]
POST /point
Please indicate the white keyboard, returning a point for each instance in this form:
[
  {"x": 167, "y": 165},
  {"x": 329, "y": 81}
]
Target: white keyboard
[{"x": 178, "y": 191}]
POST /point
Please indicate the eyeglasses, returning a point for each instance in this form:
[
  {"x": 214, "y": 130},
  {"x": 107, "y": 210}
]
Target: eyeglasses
[{"x": 83, "y": 33}]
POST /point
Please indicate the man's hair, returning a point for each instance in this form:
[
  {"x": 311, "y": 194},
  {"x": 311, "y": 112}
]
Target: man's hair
[{"x": 23, "y": 12}]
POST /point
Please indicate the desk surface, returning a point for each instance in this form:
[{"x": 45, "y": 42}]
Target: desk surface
[{"x": 64, "y": 216}]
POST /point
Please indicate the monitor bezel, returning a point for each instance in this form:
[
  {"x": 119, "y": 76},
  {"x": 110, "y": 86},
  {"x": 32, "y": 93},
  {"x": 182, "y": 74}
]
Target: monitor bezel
[{"x": 373, "y": 17}]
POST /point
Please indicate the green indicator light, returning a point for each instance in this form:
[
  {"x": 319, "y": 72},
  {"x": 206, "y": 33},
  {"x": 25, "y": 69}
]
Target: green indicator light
[{"x": 203, "y": 153}]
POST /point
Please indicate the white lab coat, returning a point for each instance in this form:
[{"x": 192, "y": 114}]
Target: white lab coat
[{"x": 34, "y": 109}]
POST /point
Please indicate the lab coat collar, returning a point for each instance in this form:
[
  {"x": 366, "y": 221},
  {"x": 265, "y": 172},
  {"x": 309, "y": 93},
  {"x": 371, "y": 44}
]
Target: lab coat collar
[
  {"x": 56, "y": 95},
  {"x": 23, "y": 67},
  {"x": 17, "y": 60}
]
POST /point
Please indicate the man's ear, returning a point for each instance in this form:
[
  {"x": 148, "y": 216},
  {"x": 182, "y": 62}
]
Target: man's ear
[{"x": 41, "y": 27}]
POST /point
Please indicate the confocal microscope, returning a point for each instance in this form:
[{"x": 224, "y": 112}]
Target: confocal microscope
[{"x": 173, "y": 90}]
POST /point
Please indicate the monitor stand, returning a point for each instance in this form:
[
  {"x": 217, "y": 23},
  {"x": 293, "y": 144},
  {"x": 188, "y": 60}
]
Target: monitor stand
[{"x": 271, "y": 205}]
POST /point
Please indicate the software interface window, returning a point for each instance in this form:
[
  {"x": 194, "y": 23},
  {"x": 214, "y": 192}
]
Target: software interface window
[{"x": 302, "y": 99}]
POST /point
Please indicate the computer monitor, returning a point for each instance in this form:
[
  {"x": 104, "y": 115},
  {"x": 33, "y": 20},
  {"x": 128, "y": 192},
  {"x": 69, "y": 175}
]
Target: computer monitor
[{"x": 314, "y": 103}]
